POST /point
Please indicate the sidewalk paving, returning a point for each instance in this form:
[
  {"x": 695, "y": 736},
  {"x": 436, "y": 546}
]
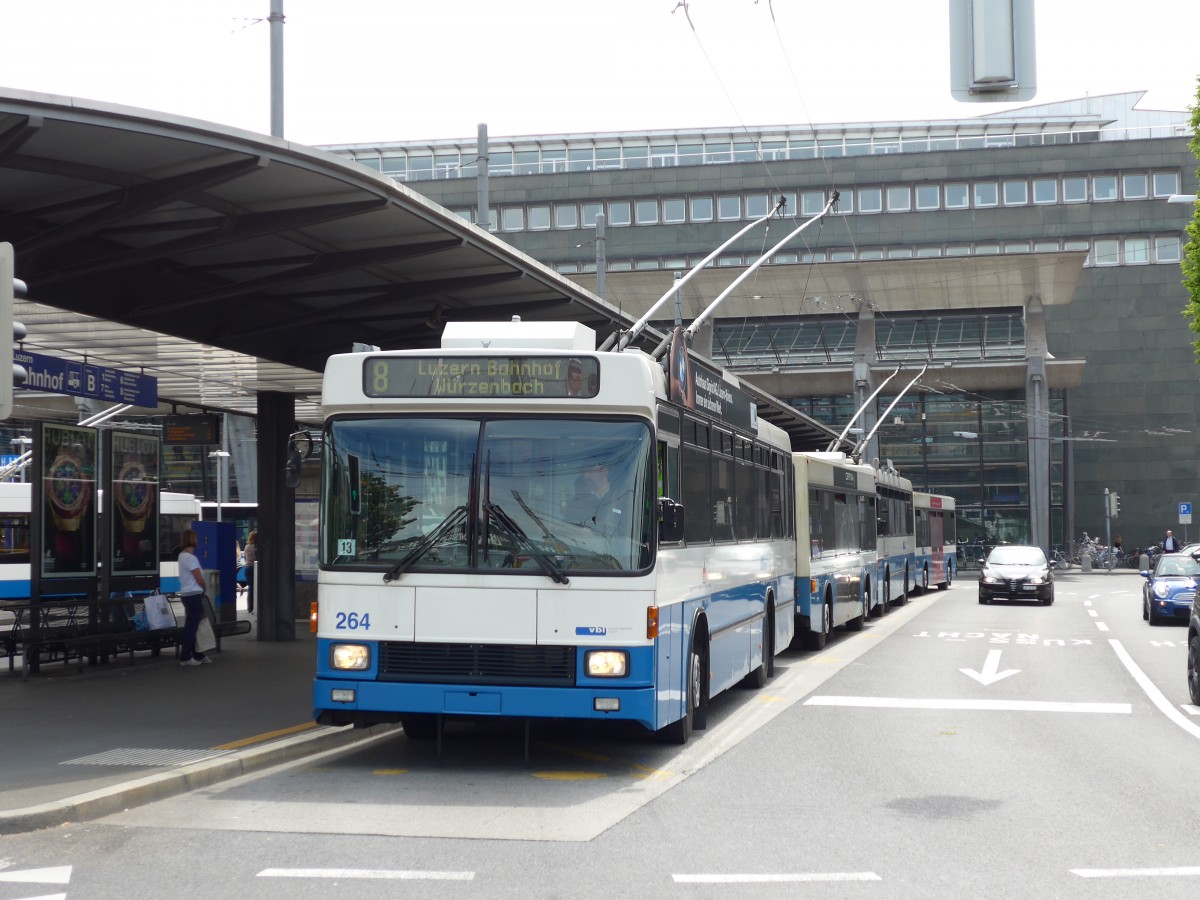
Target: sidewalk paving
[{"x": 80, "y": 745}]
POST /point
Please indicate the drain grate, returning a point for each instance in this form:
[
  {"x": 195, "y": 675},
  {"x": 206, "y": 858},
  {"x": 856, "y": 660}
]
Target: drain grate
[{"x": 140, "y": 756}]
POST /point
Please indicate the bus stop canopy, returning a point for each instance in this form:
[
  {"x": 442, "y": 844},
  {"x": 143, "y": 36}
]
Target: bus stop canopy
[{"x": 225, "y": 263}]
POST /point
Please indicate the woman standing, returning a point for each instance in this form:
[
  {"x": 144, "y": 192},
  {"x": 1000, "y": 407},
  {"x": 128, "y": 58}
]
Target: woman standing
[
  {"x": 251, "y": 557},
  {"x": 191, "y": 592}
]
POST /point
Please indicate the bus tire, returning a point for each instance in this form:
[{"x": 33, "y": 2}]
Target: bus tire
[
  {"x": 695, "y": 715},
  {"x": 815, "y": 640},
  {"x": 420, "y": 726},
  {"x": 758, "y": 676},
  {"x": 886, "y": 602},
  {"x": 903, "y": 598},
  {"x": 857, "y": 623},
  {"x": 949, "y": 578},
  {"x": 925, "y": 579}
]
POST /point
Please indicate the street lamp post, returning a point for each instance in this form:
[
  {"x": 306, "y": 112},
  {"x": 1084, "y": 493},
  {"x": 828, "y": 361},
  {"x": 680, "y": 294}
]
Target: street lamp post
[{"x": 220, "y": 456}]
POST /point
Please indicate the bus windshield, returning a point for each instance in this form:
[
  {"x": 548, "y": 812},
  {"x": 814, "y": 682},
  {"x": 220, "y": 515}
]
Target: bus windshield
[{"x": 548, "y": 495}]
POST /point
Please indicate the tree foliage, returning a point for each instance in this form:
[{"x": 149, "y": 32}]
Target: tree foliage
[{"x": 1191, "y": 251}]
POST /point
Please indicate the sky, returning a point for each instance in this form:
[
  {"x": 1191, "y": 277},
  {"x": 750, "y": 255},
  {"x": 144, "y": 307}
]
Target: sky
[{"x": 362, "y": 71}]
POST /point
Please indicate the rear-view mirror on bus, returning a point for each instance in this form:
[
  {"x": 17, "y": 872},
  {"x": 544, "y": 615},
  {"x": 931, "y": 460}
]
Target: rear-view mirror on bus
[{"x": 670, "y": 521}]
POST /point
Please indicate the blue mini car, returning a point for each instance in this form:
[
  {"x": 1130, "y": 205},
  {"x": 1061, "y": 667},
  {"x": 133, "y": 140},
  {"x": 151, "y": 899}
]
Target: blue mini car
[{"x": 1169, "y": 590}]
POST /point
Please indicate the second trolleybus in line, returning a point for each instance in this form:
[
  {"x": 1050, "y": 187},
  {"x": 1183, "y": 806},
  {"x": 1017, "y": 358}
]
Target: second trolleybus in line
[{"x": 521, "y": 525}]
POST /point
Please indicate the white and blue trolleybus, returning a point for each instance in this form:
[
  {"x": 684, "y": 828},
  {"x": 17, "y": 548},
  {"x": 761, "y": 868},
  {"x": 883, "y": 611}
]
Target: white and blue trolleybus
[
  {"x": 895, "y": 566},
  {"x": 519, "y": 525},
  {"x": 936, "y": 539},
  {"x": 835, "y": 545}
]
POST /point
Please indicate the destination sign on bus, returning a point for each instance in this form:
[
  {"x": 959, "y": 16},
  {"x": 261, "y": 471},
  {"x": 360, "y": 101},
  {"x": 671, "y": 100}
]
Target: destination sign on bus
[{"x": 481, "y": 376}]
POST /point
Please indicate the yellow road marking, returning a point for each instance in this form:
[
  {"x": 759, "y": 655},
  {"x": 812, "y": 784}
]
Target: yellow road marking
[
  {"x": 390, "y": 772},
  {"x": 270, "y": 735},
  {"x": 648, "y": 772},
  {"x": 570, "y": 776}
]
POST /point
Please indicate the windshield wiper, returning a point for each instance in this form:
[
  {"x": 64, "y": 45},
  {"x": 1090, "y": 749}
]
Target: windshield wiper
[
  {"x": 505, "y": 521},
  {"x": 456, "y": 515}
]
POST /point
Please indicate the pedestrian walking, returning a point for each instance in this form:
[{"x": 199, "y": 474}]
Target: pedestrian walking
[{"x": 1170, "y": 543}]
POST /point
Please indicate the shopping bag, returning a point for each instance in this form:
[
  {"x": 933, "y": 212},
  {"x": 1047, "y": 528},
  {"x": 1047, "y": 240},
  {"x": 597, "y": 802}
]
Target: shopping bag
[
  {"x": 241, "y": 575},
  {"x": 158, "y": 612},
  {"x": 205, "y": 638}
]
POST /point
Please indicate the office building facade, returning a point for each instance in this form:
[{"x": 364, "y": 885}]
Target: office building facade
[{"x": 1027, "y": 262}]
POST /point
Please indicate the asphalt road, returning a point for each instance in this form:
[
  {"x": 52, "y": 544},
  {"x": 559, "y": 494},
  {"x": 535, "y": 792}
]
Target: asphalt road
[{"x": 948, "y": 750}]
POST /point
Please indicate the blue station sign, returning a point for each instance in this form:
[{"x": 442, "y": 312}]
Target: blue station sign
[{"x": 61, "y": 376}]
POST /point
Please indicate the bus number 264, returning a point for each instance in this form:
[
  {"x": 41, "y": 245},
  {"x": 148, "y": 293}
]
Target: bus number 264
[{"x": 352, "y": 621}]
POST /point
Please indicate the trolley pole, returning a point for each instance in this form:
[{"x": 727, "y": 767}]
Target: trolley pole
[{"x": 1108, "y": 526}]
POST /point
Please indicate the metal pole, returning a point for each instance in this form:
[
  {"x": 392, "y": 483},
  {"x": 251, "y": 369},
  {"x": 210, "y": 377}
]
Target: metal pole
[
  {"x": 601, "y": 261},
  {"x": 276, "y": 20},
  {"x": 1108, "y": 526},
  {"x": 483, "y": 216}
]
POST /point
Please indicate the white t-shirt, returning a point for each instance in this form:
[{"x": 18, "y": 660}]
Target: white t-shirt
[{"x": 188, "y": 563}]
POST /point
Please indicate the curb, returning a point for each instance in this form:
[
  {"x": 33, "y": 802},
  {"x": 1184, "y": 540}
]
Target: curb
[{"x": 159, "y": 786}]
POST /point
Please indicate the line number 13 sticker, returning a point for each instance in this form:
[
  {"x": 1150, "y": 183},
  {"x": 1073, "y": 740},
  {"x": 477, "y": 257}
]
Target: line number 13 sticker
[{"x": 345, "y": 546}]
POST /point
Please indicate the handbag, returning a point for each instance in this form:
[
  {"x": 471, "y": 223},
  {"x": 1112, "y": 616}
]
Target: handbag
[
  {"x": 206, "y": 639},
  {"x": 158, "y": 612}
]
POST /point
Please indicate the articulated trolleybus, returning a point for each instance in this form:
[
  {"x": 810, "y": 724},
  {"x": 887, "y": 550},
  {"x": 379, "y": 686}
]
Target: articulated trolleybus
[{"x": 520, "y": 525}]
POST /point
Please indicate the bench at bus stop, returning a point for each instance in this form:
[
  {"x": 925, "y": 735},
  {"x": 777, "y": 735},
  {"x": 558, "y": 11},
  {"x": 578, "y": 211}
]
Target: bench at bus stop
[{"x": 63, "y": 628}]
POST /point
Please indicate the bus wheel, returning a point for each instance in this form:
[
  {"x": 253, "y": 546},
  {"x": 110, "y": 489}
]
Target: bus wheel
[
  {"x": 420, "y": 726},
  {"x": 925, "y": 580},
  {"x": 815, "y": 640},
  {"x": 949, "y": 578},
  {"x": 857, "y": 623},
  {"x": 758, "y": 676},
  {"x": 681, "y": 729},
  {"x": 886, "y": 603},
  {"x": 903, "y": 598}
]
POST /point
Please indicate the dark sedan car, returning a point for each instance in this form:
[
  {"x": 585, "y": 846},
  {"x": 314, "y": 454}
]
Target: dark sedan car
[
  {"x": 1013, "y": 572},
  {"x": 1168, "y": 592}
]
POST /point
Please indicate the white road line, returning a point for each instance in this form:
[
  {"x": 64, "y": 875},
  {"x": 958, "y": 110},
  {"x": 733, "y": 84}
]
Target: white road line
[
  {"x": 54, "y": 875},
  {"x": 1093, "y": 613},
  {"x": 1087, "y": 602},
  {"x": 1136, "y": 873},
  {"x": 1156, "y": 696},
  {"x": 999, "y": 705},
  {"x": 391, "y": 874},
  {"x": 1191, "y": 710},
  {"x": 773, "y": 878},
  {"x": 1100, "y": 626}
]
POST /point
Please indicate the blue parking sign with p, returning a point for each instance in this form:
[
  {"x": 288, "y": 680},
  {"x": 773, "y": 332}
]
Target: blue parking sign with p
[{"x": 1185, "y": 514}]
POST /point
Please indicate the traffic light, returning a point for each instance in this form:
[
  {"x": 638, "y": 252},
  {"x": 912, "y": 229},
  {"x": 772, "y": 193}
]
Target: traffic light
[
  {"x": 11, "y": 288},
  {"x": 1116, "y": 504}
]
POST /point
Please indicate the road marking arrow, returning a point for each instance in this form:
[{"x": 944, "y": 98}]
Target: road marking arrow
[
  {"x": 55, "y": 875},
  {"x": 990, "y": 673}
]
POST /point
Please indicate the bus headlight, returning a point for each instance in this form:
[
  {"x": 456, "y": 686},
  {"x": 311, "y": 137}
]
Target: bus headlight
[
  {"x": 606, "y": 664},
  {"x": 350, "y": 656}
]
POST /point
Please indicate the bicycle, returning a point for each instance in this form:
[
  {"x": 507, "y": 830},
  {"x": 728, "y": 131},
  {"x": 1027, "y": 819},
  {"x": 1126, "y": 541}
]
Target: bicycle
[{"x": 1060, "y": 560}]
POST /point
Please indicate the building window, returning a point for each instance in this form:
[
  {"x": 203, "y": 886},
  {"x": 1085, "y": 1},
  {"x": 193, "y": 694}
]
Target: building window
[
  {"x": 987, "y": 249},
  {"x": 729, "y": 208},
  {"x": 1076, "y": 245},
  {"x": 956, "y": 195},
  {"x": 756, "y": 206},
  {"x": 1045, "y": 190},
  {"x": 1016, "y": 193},
  {"x": 702, "y": 209},
  {"x": 608, "y": 157},
  {"x": 590, "y": 211},
  {"x": 816, "y": 257},
  {"x": 1045, "y": 246},
  {"x": 1106, "y": 253},
  {"x": 986, "y": 193},
  {"x": 1016, "y": 247},
  {"x": 926, "y": 252},
  {"x": 675, "y": 262},
  {"x": 841, "y": 256},
  {"x": 1166, "y": 249},
  {"x": 539, "y": 218},
  {"x": 528, "y": 162},
  {"x": 621, "y": 266},
  {"x": 729, "y": 260},
  {"x": 1166, "y": 184},
  {"x": 958, "y": 250},
  {"x": 1134, "y": 186},
  {"x": 578, "y": 160},
  {"x": 1104, "y": 187},
  {"x": 899, "y": 198},
  {"x": 1137, "y": 251},
  {"x": 636, "y": 157},
  {"x": 870, "y": 200},
  {"x": 645, "y": 264},
  {"x": 566, "y": 215},
  {"x": 1074, "y": 189},
  {"x": 900, "y": 253},
  {"x": 928, "y": 196},
  {"x": 512, "y": 218},
  {"x": 619, "y": 213},
  {"x": 647, "y": 212},
  {"x": 674, "y": 210},
  {"x": 811, "y": 203},
  {"x": 718, "y": 152},
  {"x": 870, "y": 254}
]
